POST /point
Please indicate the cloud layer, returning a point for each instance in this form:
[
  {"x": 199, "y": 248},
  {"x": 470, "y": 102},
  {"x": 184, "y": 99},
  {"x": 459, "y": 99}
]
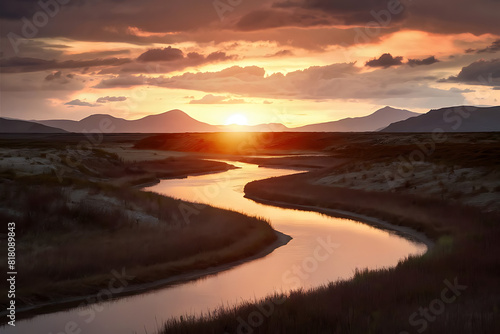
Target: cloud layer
[
  {"x": 96, "y": 53},
  {"x": 481, "y": 72}
]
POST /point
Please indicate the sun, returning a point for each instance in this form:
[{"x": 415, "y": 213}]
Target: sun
[{"x": 237, "y": 119}]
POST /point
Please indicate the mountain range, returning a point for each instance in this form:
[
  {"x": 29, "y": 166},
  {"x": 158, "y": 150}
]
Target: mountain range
[
  {"x": 387, "y": 119},
  {"x": 178, "y": 121},
  {"x": 373, "y": 122},
  {"x": 168, "y": 122}
]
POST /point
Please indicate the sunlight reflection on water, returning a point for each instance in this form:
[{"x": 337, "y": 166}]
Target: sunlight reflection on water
[{"x": 356, "y": 246}]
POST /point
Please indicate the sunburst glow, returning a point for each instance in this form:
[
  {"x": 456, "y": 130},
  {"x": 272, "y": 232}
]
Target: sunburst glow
[{"x": 237, "y": 119}]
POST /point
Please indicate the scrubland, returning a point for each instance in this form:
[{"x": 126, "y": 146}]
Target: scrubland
[
  {"x": 76, "y": 223},
  {"x": 451, "y": 195}
]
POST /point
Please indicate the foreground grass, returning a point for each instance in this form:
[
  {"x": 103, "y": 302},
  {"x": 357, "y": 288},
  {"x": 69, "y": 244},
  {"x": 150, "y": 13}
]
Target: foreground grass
[
  {"x": 381, "y": 301},
  {"x": 405, "y": 299},
  {"x": 71, "y": 234}
]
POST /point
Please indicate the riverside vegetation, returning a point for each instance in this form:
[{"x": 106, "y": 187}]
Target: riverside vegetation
[
  {"x": 72, "y": 232},
  {"x": 452, "y": 196}
]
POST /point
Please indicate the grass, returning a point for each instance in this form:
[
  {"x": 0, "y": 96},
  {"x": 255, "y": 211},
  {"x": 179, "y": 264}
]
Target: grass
[
  {"x": 72, "y": 232},
  {"x": 379, "y": 301},
  {"x": 58, "y": 243},
  {"x": 382, "y": 301}
]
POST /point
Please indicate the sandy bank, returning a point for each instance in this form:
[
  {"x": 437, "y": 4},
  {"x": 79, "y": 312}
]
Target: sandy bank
[
  {"x": 73, "y": 302},
  {"x": 403, "y": 231}
]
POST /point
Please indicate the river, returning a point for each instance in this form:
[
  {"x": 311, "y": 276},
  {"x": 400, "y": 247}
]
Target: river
[{"x": 323, "y": 249}]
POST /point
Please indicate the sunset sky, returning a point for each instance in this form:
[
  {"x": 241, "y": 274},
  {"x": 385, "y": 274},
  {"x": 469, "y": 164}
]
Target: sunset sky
[{"x": 294, "y": 62}]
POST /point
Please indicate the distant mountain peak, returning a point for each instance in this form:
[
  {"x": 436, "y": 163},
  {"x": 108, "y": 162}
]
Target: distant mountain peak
[
  {"x": 176, "y": 111},
  {"x": 168, "y": 122},
  {"x": 171, "y": 113},
  {"x": 388, "y": 109},
  {"x": 373, "y": 122},
  {"x": 451, "y": 119},
  {"x": 97, "y": 116}
]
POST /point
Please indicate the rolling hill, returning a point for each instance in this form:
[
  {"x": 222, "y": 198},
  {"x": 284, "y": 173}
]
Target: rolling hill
[
  {"x": 168, "y": 122},
  {"x": 452, "y": 119},
  {"x": 18, "y": 126},
  {"x": 379, "y": 119}
]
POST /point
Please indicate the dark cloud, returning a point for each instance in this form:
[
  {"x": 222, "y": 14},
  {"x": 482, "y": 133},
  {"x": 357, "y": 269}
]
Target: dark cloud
[
  {"x": 454, "y": 16},
  {"x": 494, "y": 47},
  {"x": 288, "y": 4},
  {"x": 213, "y": 99},
  {"x": 353, "y": 12},
  {"x": 219, "y": 56},
  {"x": 123, "y": 80},
  {"x": 53, "y": 76},
  {"x": 168, "y": 60},
  {"x": 33, "y": 48},
  {"x": 195, "y": 57},
  {"x": 79, "y": 103},
  {"x": 26, "y": 8},
  {"x": 426, "y": 61},
  {"x": 37, "y": 82},
  {"x": 274, "y": 18},
  {"x": 169, "y": 22},
  {"x": 481, "y": 72},
  {"x": 281, "y": 53},
  {"x": 446, "y": 16},
  {"x": 107, "y": 99},
  {"x": 19, "y": 64},
  {"x": 386, "y": 60},
  {"x": 165, "y": 54},
  {"x": 100, "y": 54},
  {"x": 316, "y": 39},
  {"x": 124, "y": 20}
]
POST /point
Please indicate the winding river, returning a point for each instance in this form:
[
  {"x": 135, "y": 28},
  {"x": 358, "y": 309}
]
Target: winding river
[{"x": 323, "y": 249}]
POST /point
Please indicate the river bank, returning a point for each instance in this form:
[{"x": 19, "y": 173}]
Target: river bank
[
  {"x": 463, "y": 228},
  {"x": 251, "y": 279},
  {"x": 76, "y": 226},
  {"x": 27, "y": 312},
  {"x": 402, "y": 231}
]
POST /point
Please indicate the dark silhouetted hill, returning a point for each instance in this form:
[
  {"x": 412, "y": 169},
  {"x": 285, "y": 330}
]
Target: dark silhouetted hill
[{"x": 452, "y": 119}]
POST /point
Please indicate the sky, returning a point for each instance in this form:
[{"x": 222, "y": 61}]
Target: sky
[{"x": 294, "y": 62}]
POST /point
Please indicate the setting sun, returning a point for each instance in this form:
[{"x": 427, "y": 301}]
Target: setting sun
[{"x": 237, "y": 119}]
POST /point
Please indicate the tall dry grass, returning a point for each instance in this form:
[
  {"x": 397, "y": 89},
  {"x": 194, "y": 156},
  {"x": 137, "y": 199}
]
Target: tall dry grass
[
  {"x": 381, "y": 301},
  {"x": 67, "y": 249}
]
